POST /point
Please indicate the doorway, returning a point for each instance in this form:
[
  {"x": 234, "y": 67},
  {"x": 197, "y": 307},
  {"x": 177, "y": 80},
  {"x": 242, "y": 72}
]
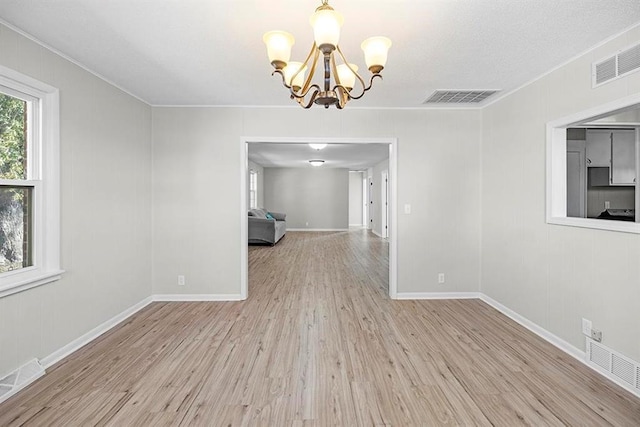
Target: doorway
[{"x": 391, "y": 197}]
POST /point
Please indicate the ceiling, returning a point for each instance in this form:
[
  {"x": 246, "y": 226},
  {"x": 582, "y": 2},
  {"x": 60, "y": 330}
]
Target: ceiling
[
  {"x": 349, "y": 156},
  {"x": 210, "y": 52}
]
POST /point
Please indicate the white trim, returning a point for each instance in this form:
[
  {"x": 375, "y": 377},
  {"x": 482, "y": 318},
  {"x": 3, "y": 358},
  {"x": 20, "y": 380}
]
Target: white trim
[
  {"x": 557, "y": 67},
  {"x": 70, "y": 59},
  {"x": 393, "y": 172},
  {"x": 436, "y": 295},
  {"x": 196, "y": 297},
  {"x": 31, "y": 283},
  {"x": 297, "y": 107},
  {"x": 556, "y": 167},
  {"x": 46, "y": 172},
  {"x": 94, "y": 333},
  {"x": 538, "y": 330},
  {"x": 25, "y": 375},
  {"x": 244, "y": 226},
  {"x": 317, "y": 229},
  {"x": 356, "y": 225},
  {"x": 376, "y": 233}
]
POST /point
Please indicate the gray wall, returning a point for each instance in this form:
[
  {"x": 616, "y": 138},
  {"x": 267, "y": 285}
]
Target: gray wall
[
  {"x": 196, "y": 196},
  {"x": 312, "y": 197},
  {"x": 618, "y": 198},
  {"x": 260, "y": 170},
  {"x": 356, "y": 203},
  {"x": 554, "y": 275},
  {"x": 105, "y": 143}
]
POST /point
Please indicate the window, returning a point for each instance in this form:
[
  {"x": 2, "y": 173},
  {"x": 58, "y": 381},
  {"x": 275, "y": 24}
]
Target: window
[
  {"x": 593, "y": 164},
  {"x": 29, "y": 183},
  {"x": 253, "y": 189}
]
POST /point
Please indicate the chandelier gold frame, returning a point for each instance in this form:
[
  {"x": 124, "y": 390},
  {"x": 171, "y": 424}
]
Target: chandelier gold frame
[{"x": 304, "y": 91}]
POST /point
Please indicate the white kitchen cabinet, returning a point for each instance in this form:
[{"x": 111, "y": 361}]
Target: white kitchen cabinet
[
  {"x": 598, "y": 148},
  {"x": 623, "y": 157}
]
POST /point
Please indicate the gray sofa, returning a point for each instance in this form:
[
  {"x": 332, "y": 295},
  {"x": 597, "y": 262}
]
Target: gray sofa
[{"x": 266, "y": 227}]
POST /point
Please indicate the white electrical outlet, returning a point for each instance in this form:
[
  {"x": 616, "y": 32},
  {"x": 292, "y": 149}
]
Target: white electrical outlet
[
  {"x": 407, "y": 208},
  {"x": 440, "y": 277},
  {"x": 181, "y": 281},
  {"x": 306, "y": 224},
  {"x": 586, "y": 327},
  {"x": 607, "y": 204}
]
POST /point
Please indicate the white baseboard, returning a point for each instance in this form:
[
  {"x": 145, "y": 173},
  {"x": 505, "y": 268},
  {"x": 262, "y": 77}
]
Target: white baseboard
[
  {"x": 15, "y": 381},
  {"x": 196, "y": 297},
  {"x": 74, "y": 345},
  {"x": 437, "y": 295},
  {"x": 375, "y": 232},
  {"x": 538, "y": 330},
  {"x": 317, "y": 229},
  {"x": 356, "y": 225}
]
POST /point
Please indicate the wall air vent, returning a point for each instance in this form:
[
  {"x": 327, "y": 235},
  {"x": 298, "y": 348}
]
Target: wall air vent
[
  {"x": 614, "y": 365},
  {"x": 459, "y": 96},
  {"x": 624, "y": 62}
]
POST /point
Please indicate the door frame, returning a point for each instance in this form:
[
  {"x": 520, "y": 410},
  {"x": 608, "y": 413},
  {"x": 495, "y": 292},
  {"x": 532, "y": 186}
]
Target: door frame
[
  {"x": 384, "y": 204},
  {"x": 393, "y": 218}
]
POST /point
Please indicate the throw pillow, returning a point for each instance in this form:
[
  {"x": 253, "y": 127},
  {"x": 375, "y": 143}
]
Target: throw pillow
[{"x": 269, "y": 216}]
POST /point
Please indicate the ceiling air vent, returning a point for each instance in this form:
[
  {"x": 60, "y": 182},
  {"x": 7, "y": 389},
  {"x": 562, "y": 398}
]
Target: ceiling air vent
[
  {"x": 624, "y": 62},
  {"x": 459, "y": 96}
]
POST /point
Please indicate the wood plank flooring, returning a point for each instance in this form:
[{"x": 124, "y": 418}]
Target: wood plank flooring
[{"x": 319, "y": 343}]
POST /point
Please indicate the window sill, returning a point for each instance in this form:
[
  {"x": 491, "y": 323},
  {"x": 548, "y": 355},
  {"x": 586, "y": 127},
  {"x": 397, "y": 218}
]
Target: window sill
[
  {"x": 30, "y": 283},
  {"x": 597, "y": 224}
]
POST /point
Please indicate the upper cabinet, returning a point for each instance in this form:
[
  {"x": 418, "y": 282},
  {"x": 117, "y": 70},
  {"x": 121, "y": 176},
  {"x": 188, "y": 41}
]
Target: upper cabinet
[
  {"x": 613, "y": 149},
  {"x": 623, "y": 157},
  {"x": 598, "y": 148}
]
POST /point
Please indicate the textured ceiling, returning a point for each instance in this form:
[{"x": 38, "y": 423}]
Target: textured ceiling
[
  {"x": 197, "y": 52},
  {"x": 349, "y": 156}
]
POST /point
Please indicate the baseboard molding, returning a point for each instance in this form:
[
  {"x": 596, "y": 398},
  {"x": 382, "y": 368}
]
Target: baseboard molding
[
  {"x": 74, "y": 345},
  {"x": 15, "y": 381},
  {"x": 196, "y": 297},
  {"x": 437, "y": 295},
  {"x": 538, "y": 330},
  {"x": 375, "y": 232},
  {"x": 317, "y": 229}
]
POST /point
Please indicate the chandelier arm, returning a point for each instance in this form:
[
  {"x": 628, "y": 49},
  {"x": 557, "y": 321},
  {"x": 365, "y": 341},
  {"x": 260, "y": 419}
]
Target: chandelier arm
[
  {"x": 360, "y": 79},
  {"x": 313, "y": 97},
  {"x": 313, "y": 52},
  {"x": 284, "y": 80},
  {"x": 366, "y": 88},
  {"x": 343, "y": 94},
  {"x": 312, "y": 70}
]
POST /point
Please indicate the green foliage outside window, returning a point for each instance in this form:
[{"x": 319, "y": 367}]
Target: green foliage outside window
[{"x": 15, "y": 201}]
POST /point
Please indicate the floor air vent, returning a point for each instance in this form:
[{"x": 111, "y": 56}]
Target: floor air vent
[
  {"x": 614, "y": 365},
  {"x": 459, "y": 96},
  {"x": 619, "y": 65}
]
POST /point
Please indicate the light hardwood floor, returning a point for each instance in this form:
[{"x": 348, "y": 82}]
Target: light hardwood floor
[{"x": 319, "y": 342}]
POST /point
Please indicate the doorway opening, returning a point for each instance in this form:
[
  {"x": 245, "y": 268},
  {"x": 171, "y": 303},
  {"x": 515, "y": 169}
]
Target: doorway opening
[{"x": 389, "y": 143}]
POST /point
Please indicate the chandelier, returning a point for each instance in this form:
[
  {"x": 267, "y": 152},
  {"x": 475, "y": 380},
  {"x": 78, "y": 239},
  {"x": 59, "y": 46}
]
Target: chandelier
[{"x": 339, "y": 81}]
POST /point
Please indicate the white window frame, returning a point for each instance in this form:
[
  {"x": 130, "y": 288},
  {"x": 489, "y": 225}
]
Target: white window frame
[
  {"x": 44, "y": 175},
  {"x": 556, "y": 209},
  {"x": 253, "y": 189}
]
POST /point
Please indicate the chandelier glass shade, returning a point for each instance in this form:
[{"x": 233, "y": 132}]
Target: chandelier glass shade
[{"x": 340, "y": 82}]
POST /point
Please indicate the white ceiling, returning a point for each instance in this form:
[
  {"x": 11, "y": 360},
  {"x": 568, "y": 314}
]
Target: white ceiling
[
  {"x": 210, "y": 52},
  {"x": 349, "y": 156}
]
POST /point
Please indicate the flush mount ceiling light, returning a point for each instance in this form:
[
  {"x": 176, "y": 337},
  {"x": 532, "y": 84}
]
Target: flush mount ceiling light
[
  {"x": 316, "y": 162},
  {"x": 317, "y": 146},
  {"x": 326, "y": 24}
]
